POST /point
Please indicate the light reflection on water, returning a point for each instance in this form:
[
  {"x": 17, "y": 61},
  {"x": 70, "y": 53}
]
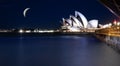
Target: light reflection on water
[{"x": 56, "y": 51}]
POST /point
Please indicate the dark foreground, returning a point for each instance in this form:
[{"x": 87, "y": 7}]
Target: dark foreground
[{"x": 56, "y": 51}]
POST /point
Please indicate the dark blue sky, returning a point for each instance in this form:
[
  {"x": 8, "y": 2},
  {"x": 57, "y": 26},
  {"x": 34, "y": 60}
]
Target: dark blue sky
[{"x": 49, "y": 13}]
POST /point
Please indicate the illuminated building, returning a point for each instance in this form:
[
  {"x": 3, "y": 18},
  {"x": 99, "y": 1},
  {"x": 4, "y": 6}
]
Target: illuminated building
[{"x": 78, "y": 22}]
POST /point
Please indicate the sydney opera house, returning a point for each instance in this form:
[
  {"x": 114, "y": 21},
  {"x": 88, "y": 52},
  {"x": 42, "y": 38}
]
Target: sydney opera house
[{"x": 78, "y": 23}]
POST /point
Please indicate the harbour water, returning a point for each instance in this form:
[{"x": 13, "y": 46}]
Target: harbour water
[{"x": 56, "y": 51}]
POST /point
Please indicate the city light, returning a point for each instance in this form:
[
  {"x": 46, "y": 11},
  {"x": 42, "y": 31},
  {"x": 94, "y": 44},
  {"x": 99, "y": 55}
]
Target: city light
[{"x": 21, "y": 31}]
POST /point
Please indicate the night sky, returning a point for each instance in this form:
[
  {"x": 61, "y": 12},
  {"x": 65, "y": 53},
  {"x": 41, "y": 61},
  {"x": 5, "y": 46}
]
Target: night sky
[{"x": 49, "y": 13}]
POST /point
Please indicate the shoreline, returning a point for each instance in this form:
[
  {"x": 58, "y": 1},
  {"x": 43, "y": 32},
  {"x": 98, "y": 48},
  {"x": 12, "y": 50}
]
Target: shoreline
[{"x": 45, "y": 34}]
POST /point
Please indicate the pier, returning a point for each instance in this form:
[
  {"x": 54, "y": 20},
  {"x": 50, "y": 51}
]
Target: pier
[{"x": 110, "y": 35}]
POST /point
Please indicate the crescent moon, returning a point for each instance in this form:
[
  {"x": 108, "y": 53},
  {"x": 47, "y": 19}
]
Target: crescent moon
[{"x": 25, "y": 11}]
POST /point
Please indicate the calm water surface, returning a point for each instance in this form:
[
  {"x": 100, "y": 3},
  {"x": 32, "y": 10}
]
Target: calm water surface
[{"x": 56, "y": 51}]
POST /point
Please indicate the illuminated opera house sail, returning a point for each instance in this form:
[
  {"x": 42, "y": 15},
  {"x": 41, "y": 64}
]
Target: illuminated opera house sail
[
  {"x": 78, "y": 22},
  {"x": 112, "y": 5}
]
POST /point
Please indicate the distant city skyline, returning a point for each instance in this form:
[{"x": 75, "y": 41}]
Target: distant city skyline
[{"x": 49, "y": 13}]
